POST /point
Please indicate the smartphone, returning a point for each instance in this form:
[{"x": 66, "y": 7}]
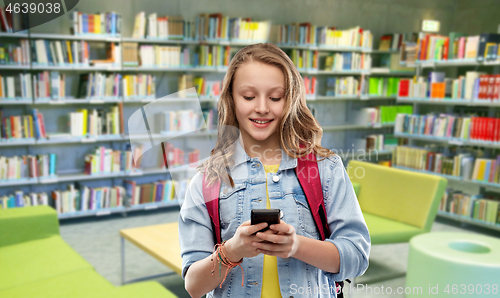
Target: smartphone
[{"x": 271, "y": 216}]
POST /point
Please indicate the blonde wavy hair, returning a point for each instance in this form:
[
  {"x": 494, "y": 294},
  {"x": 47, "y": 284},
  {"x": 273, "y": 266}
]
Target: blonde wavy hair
[{"x": 299, "y": 132}]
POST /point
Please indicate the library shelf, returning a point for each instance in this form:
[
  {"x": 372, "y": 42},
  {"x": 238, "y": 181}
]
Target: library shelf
[
  {"x": 14, "y": 67},
  {"x": 453, "y": 178},
  {"x": 320, "y": 98},
  {"x": 17, "y": 142},
  {"x": 120, "y": 209},
  {"x": 87, "y": 213},
  {"x": 76, "y": 101},
  {"x": 448, "y": 101},
  {"x": 76, "y": 140},
  {"x": 14, "y": 35},
  {"x": 174, "y": 69},
  {"x": 388, "y": 72},
  {"x": 384, "y": 51},
  {"x": 76, "y": 68},
  {"x": 69, "y": 177},
  {"x": 15, "y": 102},
  {"x": 449, "y": 141},
  {"x": 346, "y": 98},
  {"x": 354, "y": 154},
  {"x": 356, "y": 126},
  {"x": 334, "y": 72},
  {"x": 455, "y": 63},
  {"x": 160, "y": 41},
  {"x": 469, "y": 220},
  {"x": 16, "y": 182},
  {"x": 163, "y": 99},
  {"x": 377, "y": 97},
  {"x": 87, "y": 37}
]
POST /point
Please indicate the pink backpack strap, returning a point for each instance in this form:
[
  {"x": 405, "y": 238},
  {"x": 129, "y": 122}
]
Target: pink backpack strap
[
  {"x": 211, "y": 197},
  {"x": 308, "y": 174}
]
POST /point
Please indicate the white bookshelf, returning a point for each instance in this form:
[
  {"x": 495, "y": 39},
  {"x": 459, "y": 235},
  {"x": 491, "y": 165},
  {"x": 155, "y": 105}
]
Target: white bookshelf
[
  {"x": 455, "y": 63},
  {"x": 69, "y": 102},
  {"x": 447, "y": 101},
  {"x": 468, "y": 220}
]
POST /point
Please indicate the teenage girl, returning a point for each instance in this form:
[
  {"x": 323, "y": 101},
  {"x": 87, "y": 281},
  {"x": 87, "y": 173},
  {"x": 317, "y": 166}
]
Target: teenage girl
[{"x": 264, "y": 126}]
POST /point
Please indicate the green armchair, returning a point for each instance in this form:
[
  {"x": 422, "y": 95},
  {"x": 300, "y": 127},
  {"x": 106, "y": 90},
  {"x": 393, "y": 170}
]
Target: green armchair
[
  {"x": 396, "y": 204},
  {"x": 36, "y": 262}
]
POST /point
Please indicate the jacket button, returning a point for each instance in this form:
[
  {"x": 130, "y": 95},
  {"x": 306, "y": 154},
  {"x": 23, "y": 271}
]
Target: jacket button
[
  {"x": 276, "y": 178},
  {"x": 225, "y": 191}
]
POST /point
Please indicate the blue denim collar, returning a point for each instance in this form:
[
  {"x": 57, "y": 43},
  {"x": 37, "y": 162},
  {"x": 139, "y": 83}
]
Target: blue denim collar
[{"x": 240, "y": 156}]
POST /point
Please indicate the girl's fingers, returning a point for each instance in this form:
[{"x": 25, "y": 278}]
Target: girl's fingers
[
  {"x": 246, "y": 223},
  {"x": 272, "y": 238},
  {"x": 283, "y": 228},
  {"x": 255, "y": 228}
]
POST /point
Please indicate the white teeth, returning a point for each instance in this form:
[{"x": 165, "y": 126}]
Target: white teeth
[{"x": 260, "y": 122}]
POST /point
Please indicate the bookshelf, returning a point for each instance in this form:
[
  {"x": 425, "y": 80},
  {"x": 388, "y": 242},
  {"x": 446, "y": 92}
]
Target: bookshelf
[
  {"x": 448, "y": 105},
  {"x": 52, "y": 107}
]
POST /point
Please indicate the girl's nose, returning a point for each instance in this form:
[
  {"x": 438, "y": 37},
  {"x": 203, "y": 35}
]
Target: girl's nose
[{"x": 261, "y": 105}]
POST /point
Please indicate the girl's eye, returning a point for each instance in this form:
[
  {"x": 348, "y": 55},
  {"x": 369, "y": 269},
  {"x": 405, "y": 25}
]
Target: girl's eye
[
  {"x": 248, "y": 98},
  {"x": 275, "y": 99}
]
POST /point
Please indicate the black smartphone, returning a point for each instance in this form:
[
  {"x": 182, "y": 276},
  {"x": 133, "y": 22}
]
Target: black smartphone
[{"x": 271, "y": 216}]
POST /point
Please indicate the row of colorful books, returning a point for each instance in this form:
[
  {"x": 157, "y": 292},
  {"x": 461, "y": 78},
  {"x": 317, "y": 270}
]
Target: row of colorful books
[
  {"x": 347, "y": 61},
  {"x": 386, "y": 86},
  {"x": 393, "y": 42},
  {"x": 342, "y": 86},
  {"x": 441, "y": 160},
  {"x": 381, "y": 114},
  {"x": 53, "y": 85},
  {"x": 14, "y": 22},
  {"x": 27, "y": 166},
  {"x": 175, "y": 156},
  {"x": 466, "y": 164},
  {"x": 96, "y": 122},
  {"x": 205, "y": 27},
  {"x": 16, "y": 86},
  {"x": 458, "y": 46},
  {"x": 102, "y": 85},
  {"x": 473, "y": 86},
  {"x": 160, "y": 191},
  {"x": 162, "y": 27},
  {"x": 56, "y": 52},
  {"x": 453, "y": 127},
  {"x": 15, "y": 53},
  {"x": 177, "y": 121},
  {"x": 105, "y": 160},
  {"x": 378, "y": 142},
  {"x": 22, "y": 127},
  {"x": 219, "y": 27},
  {"x": 82, "y": 198},
  {"x": 309, "y": 34},
  {"x": 105, "y": 23},
  {"x": 481, "y": 207},
  {"x": 311, "y": 60}
]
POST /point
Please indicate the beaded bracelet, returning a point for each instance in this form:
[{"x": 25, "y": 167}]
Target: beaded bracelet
[{"x": 223, "y": 259}]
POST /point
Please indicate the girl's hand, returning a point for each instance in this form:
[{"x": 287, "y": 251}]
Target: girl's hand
[
  {"x": 240, "y": 245},
  {"x": 283, "y": 244}
]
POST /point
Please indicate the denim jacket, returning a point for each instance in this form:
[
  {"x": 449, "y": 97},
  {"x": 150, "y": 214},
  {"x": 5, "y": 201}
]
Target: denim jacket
[{"x": 296, "y": 278}]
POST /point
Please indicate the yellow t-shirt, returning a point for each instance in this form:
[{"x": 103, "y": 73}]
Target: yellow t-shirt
[{"x": 270, "y": 278}]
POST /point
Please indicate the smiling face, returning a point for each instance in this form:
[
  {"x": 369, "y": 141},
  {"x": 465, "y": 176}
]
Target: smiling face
[{"x": 258, "y": 93}]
